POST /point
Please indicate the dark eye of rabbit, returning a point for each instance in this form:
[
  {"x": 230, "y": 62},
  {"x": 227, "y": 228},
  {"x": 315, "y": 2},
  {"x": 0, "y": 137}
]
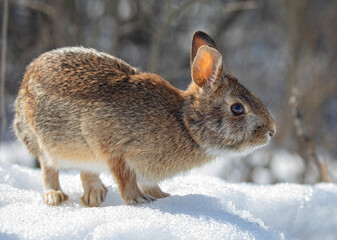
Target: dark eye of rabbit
[{"x": 237, "y": 109}]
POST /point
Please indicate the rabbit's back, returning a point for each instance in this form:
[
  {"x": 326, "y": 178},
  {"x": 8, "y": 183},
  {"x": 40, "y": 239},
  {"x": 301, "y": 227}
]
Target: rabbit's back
[{"x": 76, "y": 72}]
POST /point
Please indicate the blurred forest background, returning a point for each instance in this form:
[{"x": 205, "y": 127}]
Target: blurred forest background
[{"x": 283, "y": 50}]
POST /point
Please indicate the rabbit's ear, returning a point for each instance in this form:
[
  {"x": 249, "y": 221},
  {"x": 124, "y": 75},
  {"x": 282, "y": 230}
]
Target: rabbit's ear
[
  {"x": 200, "y": 38},
  {"x": 207, "y": 68}
]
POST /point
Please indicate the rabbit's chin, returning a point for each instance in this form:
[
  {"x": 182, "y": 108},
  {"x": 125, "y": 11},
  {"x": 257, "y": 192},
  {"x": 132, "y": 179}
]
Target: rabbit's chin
[{"x": 229, "y": 153}]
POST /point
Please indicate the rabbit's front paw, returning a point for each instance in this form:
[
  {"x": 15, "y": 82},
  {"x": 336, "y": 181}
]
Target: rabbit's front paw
[
  {"x": 139, "y": 199},
  {"x": 55, "y": 197},
  {"x": 154, "y": 191},
  {"x": 94, "y": 196}
]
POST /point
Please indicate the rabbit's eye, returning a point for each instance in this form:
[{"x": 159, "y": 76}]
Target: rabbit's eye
[{"x": 237, "y": 109}]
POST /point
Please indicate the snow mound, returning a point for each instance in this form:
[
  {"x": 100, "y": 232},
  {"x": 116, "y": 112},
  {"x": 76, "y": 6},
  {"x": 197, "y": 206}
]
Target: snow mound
[{"x": 201, "y": 207}]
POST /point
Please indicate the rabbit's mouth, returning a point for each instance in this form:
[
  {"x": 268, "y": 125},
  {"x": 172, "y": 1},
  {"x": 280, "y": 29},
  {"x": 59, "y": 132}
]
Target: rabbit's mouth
[
  {"x": 238, "y": 150},
  {"x": 233, "y": 152},
  {"x": 258, "y": 142}
]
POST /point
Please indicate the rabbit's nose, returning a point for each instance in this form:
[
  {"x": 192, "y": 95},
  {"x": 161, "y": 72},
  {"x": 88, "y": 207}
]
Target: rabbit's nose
[{"x": 272, "y": 131}]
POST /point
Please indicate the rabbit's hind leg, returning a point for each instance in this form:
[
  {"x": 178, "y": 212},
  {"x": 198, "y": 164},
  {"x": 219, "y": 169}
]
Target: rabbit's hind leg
[
  {"x": 127, "y": 183},
  {"x": 154, "y": 191},
  {"x": 94, "y": 190},
  {"x": 53, "y": 194}
]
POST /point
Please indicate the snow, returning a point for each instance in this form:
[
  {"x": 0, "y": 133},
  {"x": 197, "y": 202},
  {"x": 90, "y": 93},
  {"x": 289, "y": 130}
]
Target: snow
[{"x": 201, "y": 207}]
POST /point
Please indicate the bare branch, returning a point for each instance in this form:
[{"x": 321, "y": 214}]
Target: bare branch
[
  {"x": 239, "y": 6},
  {"x": 160, "y": 32},
  {"x": 324, "y": 170},
  {"x": 3, "y": 66},
  {"x": 37, "y": 6},
  {"x": 306, "y": 147}
]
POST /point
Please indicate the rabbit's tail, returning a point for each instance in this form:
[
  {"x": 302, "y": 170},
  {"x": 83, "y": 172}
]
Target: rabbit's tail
[{"x": 23, "y": 129}]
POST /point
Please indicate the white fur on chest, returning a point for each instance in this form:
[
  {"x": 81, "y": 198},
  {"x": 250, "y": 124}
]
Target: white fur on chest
[
  {"x": 96, "y": 166},
  {"x": 90, "y": 166}
]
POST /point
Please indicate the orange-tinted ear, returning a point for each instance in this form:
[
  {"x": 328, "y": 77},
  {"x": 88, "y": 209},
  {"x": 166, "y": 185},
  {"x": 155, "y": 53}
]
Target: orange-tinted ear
[
  {"x": 200, "y": 38},
  {"x": 207, "y": 67}
]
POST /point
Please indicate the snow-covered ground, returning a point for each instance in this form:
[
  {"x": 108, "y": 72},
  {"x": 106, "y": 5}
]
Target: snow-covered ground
[{"x": 201, "y": 207}]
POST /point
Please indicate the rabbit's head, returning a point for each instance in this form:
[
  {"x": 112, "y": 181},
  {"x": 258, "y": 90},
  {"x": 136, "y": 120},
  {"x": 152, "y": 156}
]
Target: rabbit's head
[{"x": 225, "y": 117}]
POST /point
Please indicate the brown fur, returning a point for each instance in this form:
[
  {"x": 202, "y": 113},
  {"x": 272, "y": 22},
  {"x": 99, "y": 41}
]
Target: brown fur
[{"x": 81, "y": 108}]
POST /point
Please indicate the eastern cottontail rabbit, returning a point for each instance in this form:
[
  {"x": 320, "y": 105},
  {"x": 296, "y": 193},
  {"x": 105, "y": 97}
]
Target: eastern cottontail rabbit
[{"x": 79, "y": 108}]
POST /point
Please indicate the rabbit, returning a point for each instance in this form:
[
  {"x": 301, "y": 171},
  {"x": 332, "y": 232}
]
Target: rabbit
[{"x": 78, "y": 108}]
